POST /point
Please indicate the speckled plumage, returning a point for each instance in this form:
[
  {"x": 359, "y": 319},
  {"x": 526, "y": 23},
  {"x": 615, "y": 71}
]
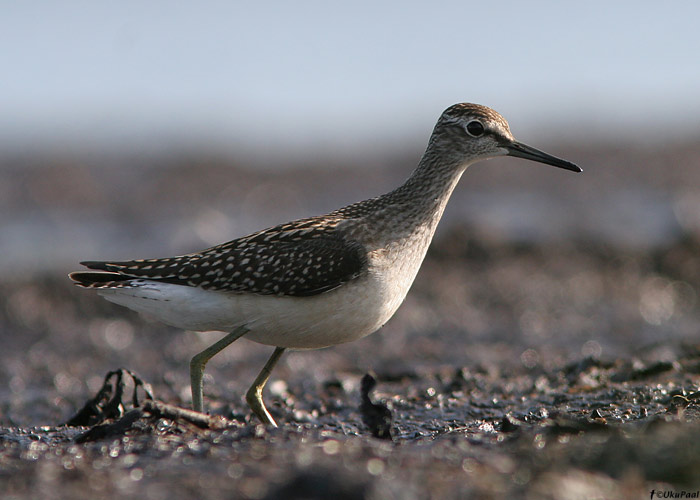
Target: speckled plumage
[
  {"x": 296, "y": 259},
  {"x": 317, "y": 281}
]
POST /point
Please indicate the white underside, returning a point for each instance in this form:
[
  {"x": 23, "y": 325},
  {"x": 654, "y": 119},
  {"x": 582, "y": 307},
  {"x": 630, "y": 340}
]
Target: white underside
[{"x": 347, "y": 313}]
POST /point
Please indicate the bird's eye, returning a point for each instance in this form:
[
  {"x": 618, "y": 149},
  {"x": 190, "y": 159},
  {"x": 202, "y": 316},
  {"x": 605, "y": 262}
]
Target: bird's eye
[{"x": 475, "y": 128}]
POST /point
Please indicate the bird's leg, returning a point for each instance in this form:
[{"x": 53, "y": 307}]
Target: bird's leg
[
  {"x": 254, "y": 394},
  {"x": 200, "y": 360}
]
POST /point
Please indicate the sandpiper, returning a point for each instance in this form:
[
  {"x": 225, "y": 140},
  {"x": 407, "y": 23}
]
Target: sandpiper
[{"x": 313, "y": 282}]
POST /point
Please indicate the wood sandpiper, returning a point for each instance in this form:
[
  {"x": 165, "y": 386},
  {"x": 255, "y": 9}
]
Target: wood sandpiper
[{"x": 313, "y": 282}]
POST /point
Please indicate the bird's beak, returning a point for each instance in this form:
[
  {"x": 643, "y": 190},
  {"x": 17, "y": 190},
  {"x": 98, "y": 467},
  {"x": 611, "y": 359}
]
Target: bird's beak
[{"x": 520, "y": 150}]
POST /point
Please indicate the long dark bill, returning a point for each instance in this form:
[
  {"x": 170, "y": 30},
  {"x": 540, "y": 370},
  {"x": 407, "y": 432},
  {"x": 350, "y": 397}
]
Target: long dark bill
[{"x": 520, "y": 150}]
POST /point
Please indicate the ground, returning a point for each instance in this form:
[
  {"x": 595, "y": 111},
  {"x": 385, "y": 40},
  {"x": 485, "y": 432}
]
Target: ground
[
  {"x": 525, "y": 371},
  {"x": 548, "y": 349}
]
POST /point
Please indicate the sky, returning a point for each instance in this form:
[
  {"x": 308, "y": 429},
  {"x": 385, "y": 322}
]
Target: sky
[{"x": 284, "y": 77}]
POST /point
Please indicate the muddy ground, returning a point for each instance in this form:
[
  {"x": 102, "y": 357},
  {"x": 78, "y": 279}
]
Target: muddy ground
[
  {"x": 567, "y": 372},
  {"x": 557, "y": 358}
]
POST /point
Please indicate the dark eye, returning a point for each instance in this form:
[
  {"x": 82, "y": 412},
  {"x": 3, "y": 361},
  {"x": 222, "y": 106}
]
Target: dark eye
[{"x": 475, "y": 128}]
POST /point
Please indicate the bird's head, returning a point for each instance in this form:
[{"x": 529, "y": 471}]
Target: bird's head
[{"x": 471, "y": 132}]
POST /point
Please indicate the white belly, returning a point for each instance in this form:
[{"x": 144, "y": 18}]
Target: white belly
[{"x": 347, "y": 313}]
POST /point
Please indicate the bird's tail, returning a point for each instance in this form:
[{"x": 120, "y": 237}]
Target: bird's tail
[{"x": 91, "y": 279}]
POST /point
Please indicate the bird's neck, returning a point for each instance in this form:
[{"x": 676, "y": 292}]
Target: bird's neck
[
  {"x": 425, "y": 193},
  {"x": 409, "y": 214}
]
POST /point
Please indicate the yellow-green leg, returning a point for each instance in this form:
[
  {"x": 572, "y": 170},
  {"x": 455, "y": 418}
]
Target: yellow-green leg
[
  {"x": 200, "y": 360},
  {"x": 254, "y": 394}
]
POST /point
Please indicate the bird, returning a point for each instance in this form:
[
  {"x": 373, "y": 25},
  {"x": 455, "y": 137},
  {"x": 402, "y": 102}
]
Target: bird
[{"x": 319, "y": 281}]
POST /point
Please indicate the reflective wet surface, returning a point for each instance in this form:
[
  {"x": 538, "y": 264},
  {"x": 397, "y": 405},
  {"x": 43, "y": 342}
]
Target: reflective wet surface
[
  {"x": 524, "y": 371},
  {"x": 550, "y": 347}
]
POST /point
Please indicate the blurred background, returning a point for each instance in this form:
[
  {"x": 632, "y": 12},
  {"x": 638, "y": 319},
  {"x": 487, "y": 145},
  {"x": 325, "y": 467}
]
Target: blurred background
[
  {"x": 107, "y": 107},
  {"x": 151, "y": 129}
]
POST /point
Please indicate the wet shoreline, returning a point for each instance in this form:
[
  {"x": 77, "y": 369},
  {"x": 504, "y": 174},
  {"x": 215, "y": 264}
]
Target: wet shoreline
[
  {"x": 541, "y": 353},
  {"x": 519, "y": 371}
]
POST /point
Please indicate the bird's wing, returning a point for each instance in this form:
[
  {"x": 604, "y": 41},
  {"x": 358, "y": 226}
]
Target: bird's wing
[{"x": 285, "y": 260}]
